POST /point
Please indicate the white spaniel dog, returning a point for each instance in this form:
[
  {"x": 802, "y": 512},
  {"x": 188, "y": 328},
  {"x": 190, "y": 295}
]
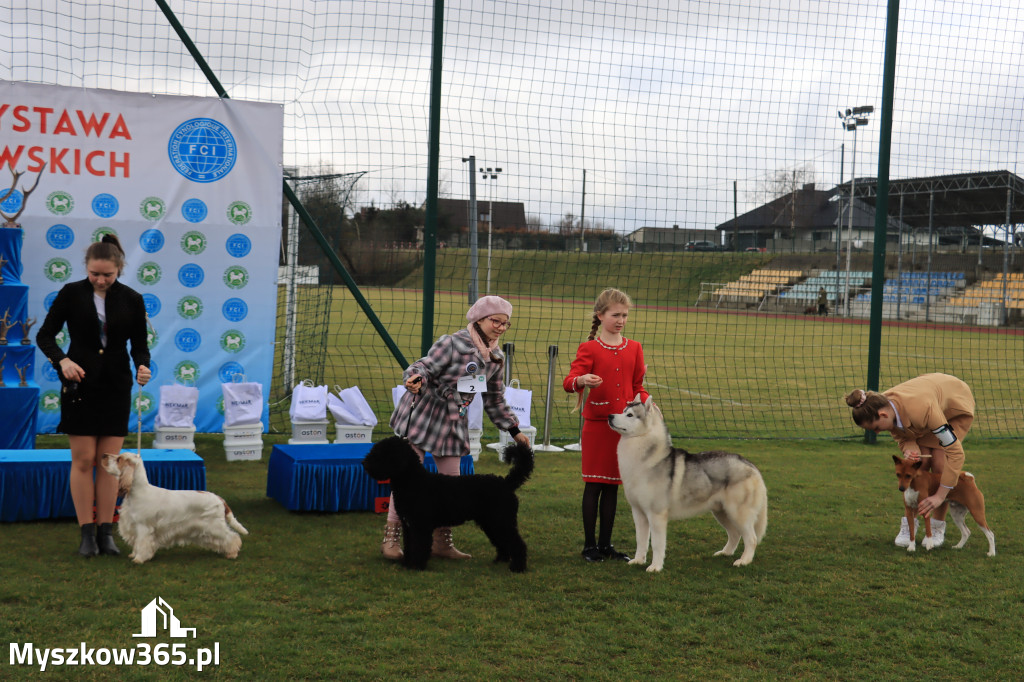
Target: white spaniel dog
[{"x": 152, "y": 517}]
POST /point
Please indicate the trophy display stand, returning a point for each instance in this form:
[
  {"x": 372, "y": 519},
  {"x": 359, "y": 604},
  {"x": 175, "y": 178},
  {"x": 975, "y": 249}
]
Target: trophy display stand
[{"x": 19, "y": 392}]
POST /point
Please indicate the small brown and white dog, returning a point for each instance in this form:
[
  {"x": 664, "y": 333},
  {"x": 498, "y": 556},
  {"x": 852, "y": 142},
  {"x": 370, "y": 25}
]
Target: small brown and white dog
[
  {"x": 153, "y": 518},
  {"x": 916, "y": 485}
]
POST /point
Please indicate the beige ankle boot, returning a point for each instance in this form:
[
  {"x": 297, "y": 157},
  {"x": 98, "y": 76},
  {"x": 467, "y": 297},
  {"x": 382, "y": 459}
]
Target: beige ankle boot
[
  {"x": 444, "y": 547},
  {"x": 391, "y": 546}
]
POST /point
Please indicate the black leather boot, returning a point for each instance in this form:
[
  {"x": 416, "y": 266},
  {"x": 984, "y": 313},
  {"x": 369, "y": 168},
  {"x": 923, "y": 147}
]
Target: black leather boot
[
  {"x": 88, "y": 548},
  {"x": 105, "y": 540}
]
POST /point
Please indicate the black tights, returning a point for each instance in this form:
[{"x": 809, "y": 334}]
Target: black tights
[{"x": 604, "y": 496}]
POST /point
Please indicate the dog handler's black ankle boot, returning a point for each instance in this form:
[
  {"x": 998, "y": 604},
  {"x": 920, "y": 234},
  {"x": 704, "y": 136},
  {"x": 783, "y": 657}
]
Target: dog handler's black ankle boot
[
  {"x": 105, "y": 540},
  {"x": 88, "y": 547},
  {"x": 593, "y": 554},
  {"x": 610, "y": 552}
]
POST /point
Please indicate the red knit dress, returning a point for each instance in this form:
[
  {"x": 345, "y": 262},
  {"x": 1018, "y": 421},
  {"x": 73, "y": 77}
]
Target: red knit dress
[{"x": 622, "y": 368}]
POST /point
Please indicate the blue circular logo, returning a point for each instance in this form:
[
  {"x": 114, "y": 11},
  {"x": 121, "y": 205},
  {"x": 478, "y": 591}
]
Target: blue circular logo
[
  {"x": 151, "y": 241},
  {"x": 190, "y": 275},
  {"x": 105, "y": 205},
  {"x": 60, "y": 236},
  {"x": 153, "y": 304},
  {"x": 48, "y": 301},
  {"x": 49, "y": 373},
  {"x": 202, "y": 149},
  {"x": 238, "y": 245},
  {"x": 187, "y": 340},
  {"x": 11, "y": 202},
  {"x": 194, "y": 211},
  {"x": 153, "y": 369},
  {"x": 235, "y": 310},
  {"x": 228, "y": 370}
]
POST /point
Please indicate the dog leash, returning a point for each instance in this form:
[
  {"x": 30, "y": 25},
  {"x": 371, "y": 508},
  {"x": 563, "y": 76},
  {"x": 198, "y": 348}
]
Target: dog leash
[{"x": 138, "y": 407}]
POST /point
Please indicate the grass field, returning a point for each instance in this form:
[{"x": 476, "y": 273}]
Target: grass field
[
  {"x": 715, "y": 374},
  {"x": 828, "y": 596}
]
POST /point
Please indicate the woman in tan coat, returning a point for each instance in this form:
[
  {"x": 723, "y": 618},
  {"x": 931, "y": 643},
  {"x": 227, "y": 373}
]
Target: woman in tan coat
[{"x": 928, "y": 416}]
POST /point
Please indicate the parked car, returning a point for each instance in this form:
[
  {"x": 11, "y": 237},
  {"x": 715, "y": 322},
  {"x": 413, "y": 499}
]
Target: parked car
[
  {"x": 703, "y": 246},
  {"x": 755, "y": 249}
]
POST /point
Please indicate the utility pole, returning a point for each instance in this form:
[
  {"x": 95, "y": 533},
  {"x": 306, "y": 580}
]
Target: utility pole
[
  {"x": 474, "y": 267},
  {"x": 583, "y": 210}
]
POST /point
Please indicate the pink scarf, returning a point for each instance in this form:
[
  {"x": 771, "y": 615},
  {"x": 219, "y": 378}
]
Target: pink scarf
[{"x": 487, "y": 350}]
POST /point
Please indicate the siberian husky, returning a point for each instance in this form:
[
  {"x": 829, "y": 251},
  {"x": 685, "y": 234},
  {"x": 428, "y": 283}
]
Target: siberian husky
[{"x": 663, "y": 482}]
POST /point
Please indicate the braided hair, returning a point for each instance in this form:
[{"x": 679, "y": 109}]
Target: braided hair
[{"x": 605, "y": 300}]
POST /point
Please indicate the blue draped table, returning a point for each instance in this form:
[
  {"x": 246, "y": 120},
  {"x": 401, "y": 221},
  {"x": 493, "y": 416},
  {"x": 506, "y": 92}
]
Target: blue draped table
[
  {"x": 34, "y": 483},
  {"x": 329, "y": 477}
]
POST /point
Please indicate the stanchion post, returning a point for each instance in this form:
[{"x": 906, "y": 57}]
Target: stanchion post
[{"x": 547, "y": 446}]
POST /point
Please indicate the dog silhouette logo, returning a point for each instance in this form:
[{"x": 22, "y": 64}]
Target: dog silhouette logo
[{"x": 157, "y": 616}]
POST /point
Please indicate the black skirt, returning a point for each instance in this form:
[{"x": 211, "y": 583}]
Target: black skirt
[{"x": 95, "y": 408}]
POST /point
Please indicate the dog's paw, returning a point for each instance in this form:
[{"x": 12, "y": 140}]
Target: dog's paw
[
  {"x": 741, "y": 562},
  {"x": 653, "y": 568},
  {"x": 928, "y": 543},
  {"x": 911, "y": 547}
]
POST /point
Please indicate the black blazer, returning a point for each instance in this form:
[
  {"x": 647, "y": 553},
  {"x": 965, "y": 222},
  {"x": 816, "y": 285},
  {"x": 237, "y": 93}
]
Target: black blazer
[{"x": 126, "y": 322}]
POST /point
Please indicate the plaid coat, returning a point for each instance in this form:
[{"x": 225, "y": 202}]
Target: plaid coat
[{"x": 430, "y": 419}]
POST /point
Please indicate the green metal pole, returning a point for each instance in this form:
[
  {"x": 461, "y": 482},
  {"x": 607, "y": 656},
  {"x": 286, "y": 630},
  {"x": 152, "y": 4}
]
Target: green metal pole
[
  {"x": 325, "y": 246},
  {"x": 192, "y": 49},
  {"x": 882, "y": 203},
  {"x": 433, "y": 156}
]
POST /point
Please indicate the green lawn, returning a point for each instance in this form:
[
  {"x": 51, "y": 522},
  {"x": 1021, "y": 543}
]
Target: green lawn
[{"x": 828, "y": 596}]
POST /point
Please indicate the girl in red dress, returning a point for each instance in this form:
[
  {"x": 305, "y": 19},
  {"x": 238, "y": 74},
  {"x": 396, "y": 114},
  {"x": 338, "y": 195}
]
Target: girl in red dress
[{"x": 608, "y": 372}]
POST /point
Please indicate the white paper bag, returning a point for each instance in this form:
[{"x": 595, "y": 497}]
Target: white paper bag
[
  {"x": 396, "y": 394},
  {"x": 309, "y": 402},
  {"x": 177, "y": 408},
  {"x": 243, "y": 403},
  {"x": 350, "y": 407},
  {"x": 518, "y": 400}
]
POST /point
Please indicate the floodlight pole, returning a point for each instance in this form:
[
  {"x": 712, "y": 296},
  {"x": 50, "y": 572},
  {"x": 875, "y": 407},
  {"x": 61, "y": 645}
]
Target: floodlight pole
[
  {"x": 851, "y": 121},
  {"x": 489, "y": 173},
  {"x": 474, "y": 255}
]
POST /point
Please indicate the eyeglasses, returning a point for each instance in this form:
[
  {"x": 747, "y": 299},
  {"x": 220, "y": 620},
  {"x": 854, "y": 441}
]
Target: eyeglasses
[{"x": 500, "y": 324}]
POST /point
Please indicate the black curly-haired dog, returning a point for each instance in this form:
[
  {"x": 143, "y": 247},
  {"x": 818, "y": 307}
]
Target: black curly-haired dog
[{"x": 425, "y": 501}]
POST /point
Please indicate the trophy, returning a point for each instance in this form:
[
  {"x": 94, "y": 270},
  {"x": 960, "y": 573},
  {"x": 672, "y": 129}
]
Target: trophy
[
  {"x": 21, "y": 374},
  {"x": 5, "y": 325},
  {"x": 26, "y": 327},
  {"x": 12, "y": 220}
]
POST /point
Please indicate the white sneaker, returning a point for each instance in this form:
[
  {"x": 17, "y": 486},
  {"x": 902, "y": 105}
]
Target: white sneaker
[{"x": 903, "y": 539}]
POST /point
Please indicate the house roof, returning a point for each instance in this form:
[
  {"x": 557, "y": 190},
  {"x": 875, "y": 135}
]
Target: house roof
[{"x": 507, "y": 214}]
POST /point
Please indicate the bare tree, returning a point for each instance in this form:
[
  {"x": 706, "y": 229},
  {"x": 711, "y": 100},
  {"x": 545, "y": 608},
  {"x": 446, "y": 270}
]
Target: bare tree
[{"x": 785, "y": 183}]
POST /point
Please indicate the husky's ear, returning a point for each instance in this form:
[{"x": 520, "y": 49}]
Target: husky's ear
[
  {"x": 636, "y": 399},
  {"x": 647, "y": 403}
]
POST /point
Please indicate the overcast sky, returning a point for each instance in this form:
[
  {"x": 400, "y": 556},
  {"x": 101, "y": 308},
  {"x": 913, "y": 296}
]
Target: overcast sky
[{"x": 665, "y": 103}]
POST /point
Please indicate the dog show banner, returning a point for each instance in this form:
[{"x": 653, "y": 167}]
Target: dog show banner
[{"x": 192, "y": 188}]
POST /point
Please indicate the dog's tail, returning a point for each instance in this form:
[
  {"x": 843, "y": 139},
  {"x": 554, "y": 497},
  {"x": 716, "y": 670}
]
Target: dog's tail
[
  {"x": 521, "y": 457},
  {"x": 232, "y": 521}
]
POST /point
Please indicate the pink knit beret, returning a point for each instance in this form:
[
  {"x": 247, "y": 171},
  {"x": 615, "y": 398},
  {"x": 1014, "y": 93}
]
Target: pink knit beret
[{"x": 487, "y": 306}]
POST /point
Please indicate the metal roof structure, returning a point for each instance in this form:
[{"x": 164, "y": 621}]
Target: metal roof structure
[{"x": 951, "y": 201}]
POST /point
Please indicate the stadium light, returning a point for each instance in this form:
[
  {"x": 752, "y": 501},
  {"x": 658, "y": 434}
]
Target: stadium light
[{"x": 853, "y": 119}]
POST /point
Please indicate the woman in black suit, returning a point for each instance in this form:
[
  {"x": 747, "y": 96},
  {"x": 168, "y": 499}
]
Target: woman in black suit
[{"x": 102, "y": 316}]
